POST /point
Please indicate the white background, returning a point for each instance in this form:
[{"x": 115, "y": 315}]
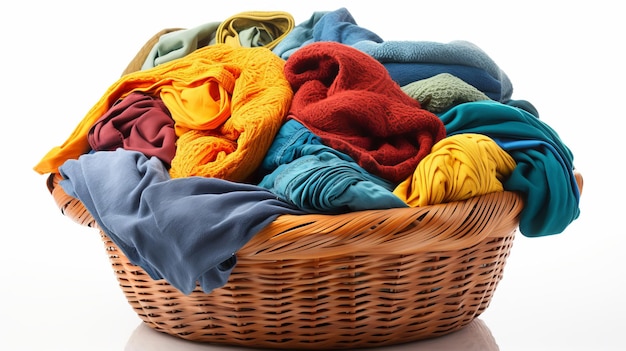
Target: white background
[{"x": 563, "y": 292}]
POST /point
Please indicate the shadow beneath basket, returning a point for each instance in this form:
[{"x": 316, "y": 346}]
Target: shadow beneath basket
[{"x": 476, "y": 336}]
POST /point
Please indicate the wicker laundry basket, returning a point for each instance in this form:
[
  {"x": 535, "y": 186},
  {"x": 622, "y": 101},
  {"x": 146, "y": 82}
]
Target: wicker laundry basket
[{"x": 357, "y": 280}]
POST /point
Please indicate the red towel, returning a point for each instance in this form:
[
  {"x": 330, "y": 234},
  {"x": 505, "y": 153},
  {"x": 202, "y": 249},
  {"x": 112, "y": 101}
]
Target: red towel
[{"x": 348, "y": 99}]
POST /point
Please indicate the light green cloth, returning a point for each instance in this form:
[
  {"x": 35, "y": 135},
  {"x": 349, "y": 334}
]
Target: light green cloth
[{"x": 180, "y": 43}]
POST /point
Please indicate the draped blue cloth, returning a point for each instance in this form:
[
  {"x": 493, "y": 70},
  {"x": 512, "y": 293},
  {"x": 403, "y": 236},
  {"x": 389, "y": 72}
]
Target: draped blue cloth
[{"x": 183, "y": 230}]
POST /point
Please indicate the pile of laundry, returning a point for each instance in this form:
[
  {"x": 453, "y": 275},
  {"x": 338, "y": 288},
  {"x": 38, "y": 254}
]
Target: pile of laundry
[{"x": 214, "y": 131}]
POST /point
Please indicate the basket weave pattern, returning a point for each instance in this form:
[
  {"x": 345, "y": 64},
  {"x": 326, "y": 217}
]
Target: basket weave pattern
[{"x": 364, "y": 279}]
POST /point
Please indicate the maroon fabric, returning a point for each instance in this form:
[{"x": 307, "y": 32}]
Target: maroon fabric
[
  {"x": 138, "y": 122},
  {"x": 348, "y": 99}
]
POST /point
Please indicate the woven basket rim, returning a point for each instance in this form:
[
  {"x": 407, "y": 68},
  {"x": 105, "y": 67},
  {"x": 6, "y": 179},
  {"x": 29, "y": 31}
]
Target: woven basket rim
[
  {"x": 322, "y": 270},
  {"x": 459, "y": 225}
]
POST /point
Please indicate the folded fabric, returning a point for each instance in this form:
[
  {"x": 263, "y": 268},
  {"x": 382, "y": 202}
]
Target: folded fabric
[
  {"x": 459, "y": 167},
  {"x": 203, "y": 105},
  {"x": 338, "y": 26},
  {"x": 319, "y": 179},
  {"x": 259, "y": 103},
  {"x": 137, "y": 122},
  {"x": 141, "y": 56},
  {"x": 255, "y": 29},
  {"x": 533, "y": 155},
  {"x": 180, "y": 43},
  {"x": 405, "y": 73},
  {"x": 544, "y": 164},
  {"x": 348, "y": 99},
  {"x": 458, "y": 52},
  {"x": 185, "y": 230},
  {"x": 524, "y": 105},
  {"x": 406, "y": 61},
  {"x": 439, "y": 93}
]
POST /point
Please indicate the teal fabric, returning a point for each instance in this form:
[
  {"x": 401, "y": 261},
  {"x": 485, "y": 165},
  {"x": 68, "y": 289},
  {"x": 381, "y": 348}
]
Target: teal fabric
[
  {"x": 544, "y": 171},
  {"x": 319, "y": 179},
  {"x": 524, "y": 105}
]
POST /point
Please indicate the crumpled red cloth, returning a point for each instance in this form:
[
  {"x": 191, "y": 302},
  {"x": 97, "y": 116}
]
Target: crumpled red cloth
[
  {"x": 348, "y": 99},
  {"x": 139, "y": 122}
]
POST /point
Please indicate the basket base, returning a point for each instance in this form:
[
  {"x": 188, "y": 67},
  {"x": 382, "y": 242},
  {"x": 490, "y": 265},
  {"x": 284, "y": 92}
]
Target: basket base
[{"x": 404, "y": 298}]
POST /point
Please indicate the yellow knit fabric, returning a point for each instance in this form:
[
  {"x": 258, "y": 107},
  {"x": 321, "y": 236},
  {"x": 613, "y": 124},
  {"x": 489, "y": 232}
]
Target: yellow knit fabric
[
  {"x": 260, "y": 98},
  {"x": 459, "y": 167}
]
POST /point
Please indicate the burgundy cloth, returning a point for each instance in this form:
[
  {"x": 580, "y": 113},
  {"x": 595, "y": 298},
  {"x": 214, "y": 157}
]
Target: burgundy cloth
[
  {"x": 138, "y": 122},
  {"x": 348, "y": 99}
]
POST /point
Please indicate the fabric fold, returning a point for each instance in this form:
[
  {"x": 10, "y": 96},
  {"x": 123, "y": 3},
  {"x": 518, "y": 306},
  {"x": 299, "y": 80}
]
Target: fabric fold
[
  {"x": 457, "y": 52},
  {"x": 337, "y": 26},
  {"x": 255, "y": 29},
  {"x": 180, "y": 43},
  {"x": 202, "y": 105},
  {"x": 405, "y": 73},
  {"x": 138, "y": 122},
  {"x": 138, "y": 61}
]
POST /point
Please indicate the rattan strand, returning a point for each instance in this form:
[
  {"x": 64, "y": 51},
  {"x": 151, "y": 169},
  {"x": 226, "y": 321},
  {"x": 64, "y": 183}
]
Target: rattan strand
[{"x": 366, "y": 279}]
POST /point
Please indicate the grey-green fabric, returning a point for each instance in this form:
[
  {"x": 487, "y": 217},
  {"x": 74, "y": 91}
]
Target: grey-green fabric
[
  {"x": 180, "y": 43},
  {"x": 442, "y": 91}
]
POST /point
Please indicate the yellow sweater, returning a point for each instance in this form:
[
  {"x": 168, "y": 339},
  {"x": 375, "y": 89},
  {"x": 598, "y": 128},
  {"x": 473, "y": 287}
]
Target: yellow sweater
[
  {"x": 236, "y": 97},
  {"x": 459, "y": 167}
]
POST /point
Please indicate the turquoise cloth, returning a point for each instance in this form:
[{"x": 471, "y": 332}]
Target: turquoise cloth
[
  {"x": 319, "y": 179},
  {"x": 544, "y": 172}
]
